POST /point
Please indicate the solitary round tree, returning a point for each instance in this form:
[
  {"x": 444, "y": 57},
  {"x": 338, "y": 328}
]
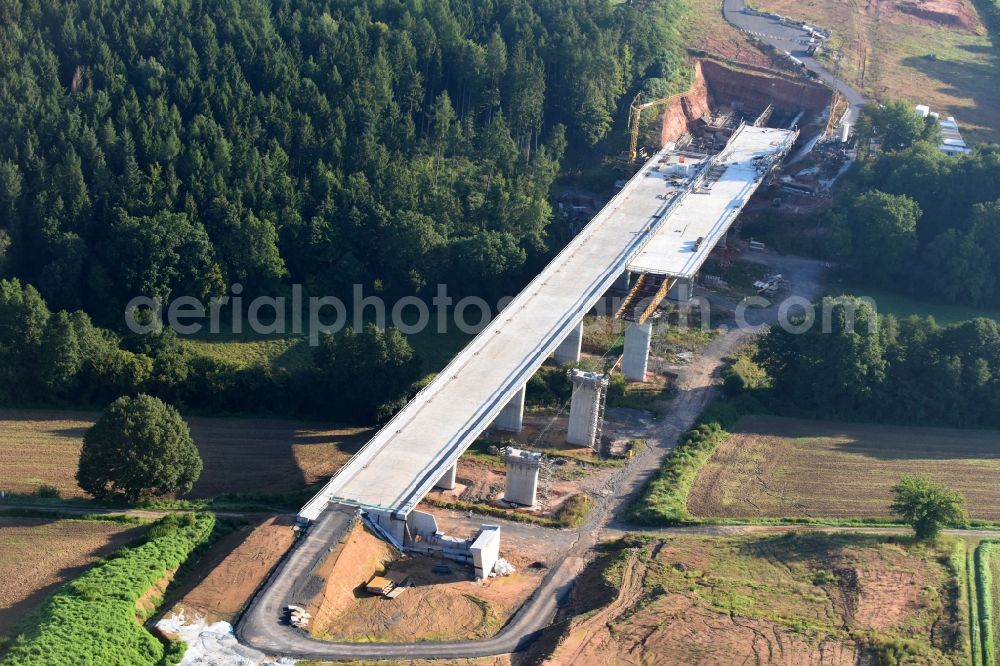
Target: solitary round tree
[
  {"x": 140, "y": 447},
  {"x": 927, "y": 506}
]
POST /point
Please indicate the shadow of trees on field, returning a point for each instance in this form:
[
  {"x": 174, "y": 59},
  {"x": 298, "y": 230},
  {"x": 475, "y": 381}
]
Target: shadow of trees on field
[
  {"x": 977, "y": 49},
  {"x": 880, "y": 441},
  {"x": 975, "y": 81},
  {"x": 802, "y": 547},
  {"x": 268, "y": 456},
  {"x": 71, "y": 433}
]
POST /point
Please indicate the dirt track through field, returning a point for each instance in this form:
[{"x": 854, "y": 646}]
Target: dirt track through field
[{"x": 597, "y": 628}]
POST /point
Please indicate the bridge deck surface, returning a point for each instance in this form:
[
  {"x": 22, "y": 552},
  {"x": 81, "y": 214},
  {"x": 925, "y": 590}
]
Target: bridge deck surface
[
  {"x": 404, "y": 459},
  {"x": 709, "y": 215}
]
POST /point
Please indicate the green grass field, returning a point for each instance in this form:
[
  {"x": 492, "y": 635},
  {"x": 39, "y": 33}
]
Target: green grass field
[
  {"x": 995, "y": 568},
  {"x": 903, "y": 306},
  {"x": 293, "y": 352}
]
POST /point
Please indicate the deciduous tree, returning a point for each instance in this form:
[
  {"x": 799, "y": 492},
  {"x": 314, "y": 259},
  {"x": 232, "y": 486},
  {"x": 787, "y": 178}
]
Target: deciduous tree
[
  {"x": 927, "y": 506},
  {"x": 139, "y": 447}
]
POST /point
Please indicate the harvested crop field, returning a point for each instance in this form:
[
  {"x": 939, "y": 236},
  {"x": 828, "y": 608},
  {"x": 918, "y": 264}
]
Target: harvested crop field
[
  {"x": 233, "y": 568},
  {"x": 41, "y": 447},
  {"x": 789, "y": 599},
  {"x": 39, "y": 554},
  {"x": 780, "y": 467}
]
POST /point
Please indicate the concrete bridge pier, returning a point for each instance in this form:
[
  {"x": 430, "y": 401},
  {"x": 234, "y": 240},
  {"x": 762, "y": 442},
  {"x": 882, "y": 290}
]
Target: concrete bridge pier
[
  {"x": 586, "y": 407},
  {"x": 569, "y": 350},
  {"x": 623, "y": 281},
  {"x": 447, "y": 480},
  {"x": 511, "y": 417},
  {"x": 681, "y": 291},
  {"x": 521, "y": 484},
  {"x": 636, "y": 357}
]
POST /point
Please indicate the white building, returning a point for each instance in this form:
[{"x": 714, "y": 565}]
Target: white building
[{"x": 952, "y": 142}]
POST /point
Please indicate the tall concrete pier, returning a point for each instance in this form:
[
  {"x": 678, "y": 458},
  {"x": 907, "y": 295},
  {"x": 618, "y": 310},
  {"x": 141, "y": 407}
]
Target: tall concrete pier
[
  {"x": 586, "y": 410},
  {"x": 569, "y": 350},
  {"x": 511, "y": 417},
  {"x": 636, "y": 356}
]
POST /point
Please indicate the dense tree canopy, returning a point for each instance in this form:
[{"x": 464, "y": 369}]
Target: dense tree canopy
[
  {"x": 835, "y": 364},
  {"x": 139, "y": 447},
  {"x": 917, "y": 220},
  {"x": 880, "y": 232},
  {"x": 895, "y": 126},
  {"x": 365, "y": 374},
  {"x": 881, "y": 368},
  {"x": 173, "y": 147},
  {"x": 63, "y": 358}
]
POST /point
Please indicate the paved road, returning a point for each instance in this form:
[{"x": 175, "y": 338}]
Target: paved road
[
  {"x": 698, "y": 386},
  {"x": 794, "y": 40},
  {"x": 261, "y": 628}
]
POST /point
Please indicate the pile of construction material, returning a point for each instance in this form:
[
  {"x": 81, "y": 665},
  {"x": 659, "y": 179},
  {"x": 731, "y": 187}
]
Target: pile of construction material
[
  {"x": 389, "y": 586},
  {"x": 297, "y": 616},
  {"x": 502, "y": 568}
]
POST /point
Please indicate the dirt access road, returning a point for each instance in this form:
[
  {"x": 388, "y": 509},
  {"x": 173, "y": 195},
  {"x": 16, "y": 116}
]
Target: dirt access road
[
  {"x": 697, "y": 386},
  {"x": 261, "y": 627}
]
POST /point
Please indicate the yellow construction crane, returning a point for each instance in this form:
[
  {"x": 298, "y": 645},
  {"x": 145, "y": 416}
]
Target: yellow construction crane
[{"x": 635, "y": 112}]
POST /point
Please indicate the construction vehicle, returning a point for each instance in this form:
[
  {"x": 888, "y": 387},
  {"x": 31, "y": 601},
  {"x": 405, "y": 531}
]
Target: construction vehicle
[{"x": 635, "y": 113}]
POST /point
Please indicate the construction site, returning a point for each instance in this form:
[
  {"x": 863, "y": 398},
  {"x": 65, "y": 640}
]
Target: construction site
[
  {"x": 722, "y": 96},
  {"x": 428, "y": 514}
]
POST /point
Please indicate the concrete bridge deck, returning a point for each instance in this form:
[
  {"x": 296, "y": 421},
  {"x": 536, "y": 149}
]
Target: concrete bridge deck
[{"x": 655, "y": 220}]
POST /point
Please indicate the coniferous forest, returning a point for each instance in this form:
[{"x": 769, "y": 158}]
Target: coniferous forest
[
  {"x": 176, "y": 147},
  {"x": 168, "y": 148}
]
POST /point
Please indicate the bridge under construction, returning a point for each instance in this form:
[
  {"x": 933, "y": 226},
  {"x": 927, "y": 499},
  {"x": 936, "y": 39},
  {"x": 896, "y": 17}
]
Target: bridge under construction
[{"x": 660, "y": 228}]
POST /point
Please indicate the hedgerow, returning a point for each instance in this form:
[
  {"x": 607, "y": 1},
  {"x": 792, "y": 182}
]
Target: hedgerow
[
  {"x": 664, "y": 499},
  {"x": 984, "y": 590},
  {"x": 92, "y": 620}
]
